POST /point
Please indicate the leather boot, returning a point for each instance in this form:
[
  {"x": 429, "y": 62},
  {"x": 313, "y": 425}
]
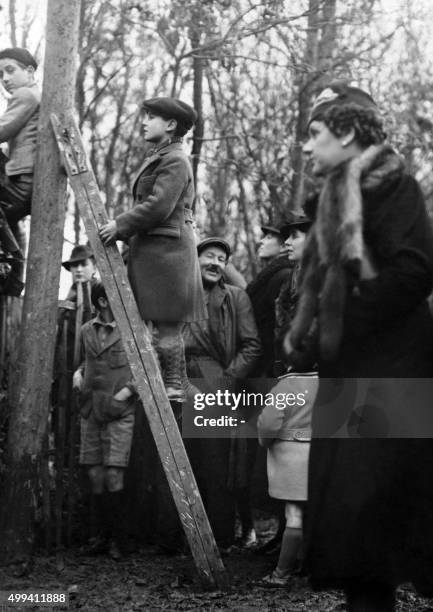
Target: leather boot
[{"x": 171, "y": 354}]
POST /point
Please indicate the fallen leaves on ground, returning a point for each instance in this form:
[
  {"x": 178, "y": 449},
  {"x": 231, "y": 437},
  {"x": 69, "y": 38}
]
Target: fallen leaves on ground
[{"x": 147, "y": 581}]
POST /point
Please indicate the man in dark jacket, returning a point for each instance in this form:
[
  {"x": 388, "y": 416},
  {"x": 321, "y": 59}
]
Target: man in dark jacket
[{"x": 219, "y": 351}]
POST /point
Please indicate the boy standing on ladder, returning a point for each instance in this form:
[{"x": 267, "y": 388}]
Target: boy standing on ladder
[{"x": 162, "y": 261}]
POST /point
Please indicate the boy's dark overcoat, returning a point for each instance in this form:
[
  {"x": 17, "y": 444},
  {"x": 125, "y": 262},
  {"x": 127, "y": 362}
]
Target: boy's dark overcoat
[
  {"x": 370, "y": 511},
  {"x": 162, "y": 261}
]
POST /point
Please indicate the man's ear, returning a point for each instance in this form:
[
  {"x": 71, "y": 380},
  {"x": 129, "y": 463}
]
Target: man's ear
[
  {"x": 348, "y": 138},
  {"x": 171, "y": 125},
  {"x": 31, "y": 70}
]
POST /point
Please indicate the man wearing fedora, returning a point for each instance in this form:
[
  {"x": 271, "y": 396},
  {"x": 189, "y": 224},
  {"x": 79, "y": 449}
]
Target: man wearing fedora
[
  {"x": 222, "y": 349},
  {"x": 162, "y": 261},
  {"x": 81, "y": 265}
]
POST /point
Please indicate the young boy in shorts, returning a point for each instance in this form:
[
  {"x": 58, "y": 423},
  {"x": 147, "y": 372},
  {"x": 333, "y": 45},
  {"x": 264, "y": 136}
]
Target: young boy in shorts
[
  {"x": 107, "y": 409},
  {"x": 18, "y": 128},
  {"x": 162, "y": 261}
]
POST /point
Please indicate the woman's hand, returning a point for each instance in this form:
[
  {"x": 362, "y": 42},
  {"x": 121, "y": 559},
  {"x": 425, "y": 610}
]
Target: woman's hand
[{"x": 108, "y": 233}]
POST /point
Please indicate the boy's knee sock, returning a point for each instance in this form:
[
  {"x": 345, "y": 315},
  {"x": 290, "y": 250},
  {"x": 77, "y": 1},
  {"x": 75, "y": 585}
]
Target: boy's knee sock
[
  {"x": 99, "y": 519},
  {"x": 115, "y": 509},
  {"x": 290, "y": 546}
]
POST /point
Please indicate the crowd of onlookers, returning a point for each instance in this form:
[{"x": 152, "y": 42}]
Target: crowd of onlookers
[
  {"x": 344, "y": 294},
  {"x": 239, "y": 347}
]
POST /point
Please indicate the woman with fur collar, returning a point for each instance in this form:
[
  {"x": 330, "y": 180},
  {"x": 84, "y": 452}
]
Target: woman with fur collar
[{"x": 367, "y": 270}]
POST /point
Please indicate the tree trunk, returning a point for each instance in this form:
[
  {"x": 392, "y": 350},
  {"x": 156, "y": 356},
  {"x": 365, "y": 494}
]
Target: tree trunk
[
  {"x": 13, "y": 22},
  {"x": 304, "y": 99},
  {"x": 30, "y": 390},
  {"x": 318, "y": 61},
  {"x": 198, "y": 105}
]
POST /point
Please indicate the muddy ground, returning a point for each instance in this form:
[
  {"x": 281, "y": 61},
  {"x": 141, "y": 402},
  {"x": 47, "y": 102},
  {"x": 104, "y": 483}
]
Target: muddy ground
[{"x": 147, "y": 580}]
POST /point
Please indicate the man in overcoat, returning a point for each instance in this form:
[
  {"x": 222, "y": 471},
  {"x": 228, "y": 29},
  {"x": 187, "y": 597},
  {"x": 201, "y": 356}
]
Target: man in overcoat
[
  {"x": 162, "y": 260},
  {"x": 220, "y": 351}
]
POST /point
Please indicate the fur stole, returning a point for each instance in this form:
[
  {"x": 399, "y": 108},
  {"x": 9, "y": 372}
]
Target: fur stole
[{"x": 335, "y": 257}]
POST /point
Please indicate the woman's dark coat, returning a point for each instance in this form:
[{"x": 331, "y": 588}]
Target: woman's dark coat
[
  {"x": 162, "y": 260},
  {"x": 263, "y": 291},
  {"x": 370, "y": 511}
]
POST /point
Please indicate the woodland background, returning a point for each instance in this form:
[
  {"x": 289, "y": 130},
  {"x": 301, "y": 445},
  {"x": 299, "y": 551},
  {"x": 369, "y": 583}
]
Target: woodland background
[{"x": 250, "y": 69}]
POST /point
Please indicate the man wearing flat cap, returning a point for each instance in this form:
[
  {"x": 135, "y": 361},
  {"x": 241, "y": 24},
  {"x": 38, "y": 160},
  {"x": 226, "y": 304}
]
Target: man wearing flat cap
[
  {"x": 162, "y": 261},
  {"x": 223, "y": 348},
  {"x": 18, "y": 128}
]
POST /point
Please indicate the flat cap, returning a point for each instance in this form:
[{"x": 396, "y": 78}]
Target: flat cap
[
  {"x": 340, "y": 93},
  {"x": 294, "y": 221},
  {"x": 81, "y": 252},
  {"x": 215, "y": 241},
  {"x": 20, "y": 55},
  {"x": 172, "y": 108}
]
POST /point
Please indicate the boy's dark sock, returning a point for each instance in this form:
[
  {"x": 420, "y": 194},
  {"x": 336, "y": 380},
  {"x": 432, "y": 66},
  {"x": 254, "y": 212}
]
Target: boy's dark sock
[
  {"x": 115, "y": 508},
  {"x": 98, "y": 528},
  {"x": 290, "y": 545}
]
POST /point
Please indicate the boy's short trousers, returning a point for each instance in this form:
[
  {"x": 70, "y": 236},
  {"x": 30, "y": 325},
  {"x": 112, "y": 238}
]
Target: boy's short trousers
[{"x": 107, "y": 444}]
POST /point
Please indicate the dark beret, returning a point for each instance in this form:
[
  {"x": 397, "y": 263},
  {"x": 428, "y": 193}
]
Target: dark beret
[
  {"x": 340, "y": 93},
  {"x": 219, "y": 242},
  {"x": 172, "y": 108},
  {"x": 294, "y": 221},
  {"x": 20, "y": 55}
]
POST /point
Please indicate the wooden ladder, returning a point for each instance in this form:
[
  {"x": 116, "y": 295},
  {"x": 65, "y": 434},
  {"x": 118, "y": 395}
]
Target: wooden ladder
[{"x": 137, "y": 343}]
